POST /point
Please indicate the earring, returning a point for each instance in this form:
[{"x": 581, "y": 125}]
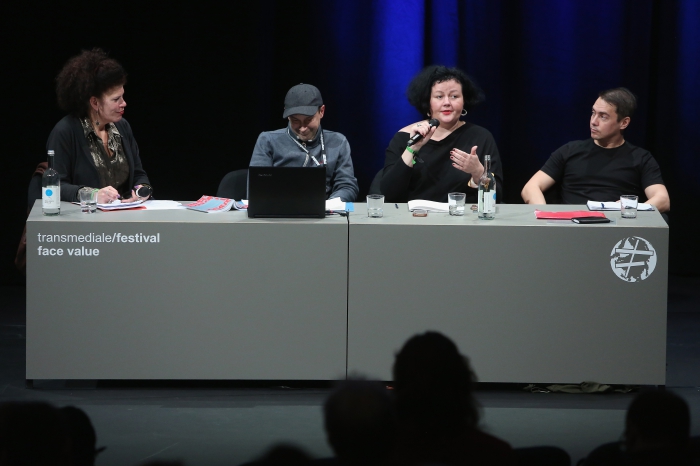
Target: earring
[
  {"x": 464, "y": 112},
  {"x": 97, "y": 120}
]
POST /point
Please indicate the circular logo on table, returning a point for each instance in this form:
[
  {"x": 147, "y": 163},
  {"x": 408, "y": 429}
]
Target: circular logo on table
[{"x": 633, "y": 259}]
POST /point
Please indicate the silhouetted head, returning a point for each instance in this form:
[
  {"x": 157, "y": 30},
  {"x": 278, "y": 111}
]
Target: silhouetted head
[
  {"x": 31, "y": 434},
  {"x": 359, "y": 422},
  {"x": 81, "y": 436},
  {"x": 163, "y": 463},
  {"x": 657, "y": 419},
  {"x": 434, "y": 385},
  {"x": 284, "y": 455}
]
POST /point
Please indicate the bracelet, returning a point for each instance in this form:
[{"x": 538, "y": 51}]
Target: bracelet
[{"x": 413, "y": 152}]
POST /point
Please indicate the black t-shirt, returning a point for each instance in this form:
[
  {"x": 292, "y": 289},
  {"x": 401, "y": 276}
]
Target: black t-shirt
[
  {"x": 587, "y": 172},
  {"x": 433, "y": 179}
]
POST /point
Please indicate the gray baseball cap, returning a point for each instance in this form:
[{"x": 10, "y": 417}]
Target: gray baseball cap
[{"x": 303, "y": 99}]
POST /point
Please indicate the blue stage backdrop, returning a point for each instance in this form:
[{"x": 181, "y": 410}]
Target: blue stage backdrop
[{"x": 206, "y": 78}]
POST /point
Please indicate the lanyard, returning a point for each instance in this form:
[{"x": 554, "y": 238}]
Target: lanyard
[{"x": 303, "y": 147}]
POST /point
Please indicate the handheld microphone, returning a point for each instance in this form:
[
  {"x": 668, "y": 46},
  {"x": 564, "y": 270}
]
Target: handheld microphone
[
  {"x": 417, "y": 137},
  {"x": 144, "y": 191}
]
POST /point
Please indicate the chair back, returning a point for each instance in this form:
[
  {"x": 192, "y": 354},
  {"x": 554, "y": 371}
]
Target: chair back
[{"x": 234, "y": 185}]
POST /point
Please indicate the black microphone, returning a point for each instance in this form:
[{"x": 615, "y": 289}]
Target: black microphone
[
  {"x": 417, "y": 137},
  {"x": 144, "y": 191}
]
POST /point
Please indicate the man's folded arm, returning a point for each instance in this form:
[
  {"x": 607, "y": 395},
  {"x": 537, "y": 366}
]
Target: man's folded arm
[{"x": 533, "y": 192}]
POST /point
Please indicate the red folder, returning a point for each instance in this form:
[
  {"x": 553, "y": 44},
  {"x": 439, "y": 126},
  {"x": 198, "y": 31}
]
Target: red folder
[{"x": 540, "y": 214}]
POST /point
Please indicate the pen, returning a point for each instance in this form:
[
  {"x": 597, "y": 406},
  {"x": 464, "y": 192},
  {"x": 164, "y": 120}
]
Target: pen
[{"x": 397, "y": 206}]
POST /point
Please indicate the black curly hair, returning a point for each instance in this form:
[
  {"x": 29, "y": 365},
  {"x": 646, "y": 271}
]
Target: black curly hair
[
  {"x": 92, "y": 73},
  {"x": 421, "y": 86}
]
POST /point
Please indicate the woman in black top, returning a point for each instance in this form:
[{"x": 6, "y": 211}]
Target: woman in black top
[
  {"x": 93, "y": 144},
  {"x": 449, "y": 157}
]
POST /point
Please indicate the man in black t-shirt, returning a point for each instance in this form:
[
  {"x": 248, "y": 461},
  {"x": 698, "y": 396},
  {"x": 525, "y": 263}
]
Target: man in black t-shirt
[{"x": 605, "y": 166}]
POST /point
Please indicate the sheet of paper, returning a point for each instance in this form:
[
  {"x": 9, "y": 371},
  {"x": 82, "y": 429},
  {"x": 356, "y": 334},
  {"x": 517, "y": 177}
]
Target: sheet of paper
[
  {"x": 162, "y": 205},
  {"x": 335, "y": 204}
]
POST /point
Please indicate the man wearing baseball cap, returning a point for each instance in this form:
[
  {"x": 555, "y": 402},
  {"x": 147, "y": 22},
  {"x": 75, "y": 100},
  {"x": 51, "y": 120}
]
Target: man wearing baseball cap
[{"x": 303, "y": 143}]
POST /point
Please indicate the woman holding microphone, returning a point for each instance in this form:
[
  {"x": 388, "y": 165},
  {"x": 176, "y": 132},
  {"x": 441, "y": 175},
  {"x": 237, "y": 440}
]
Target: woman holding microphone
[
  {"x": 94, "y": 145},
  {"x": 446, "y": 158}
]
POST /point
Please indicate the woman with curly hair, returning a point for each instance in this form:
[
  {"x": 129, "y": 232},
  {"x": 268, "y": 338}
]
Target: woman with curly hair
[
  {"x": 94, "y": 145},
  {"x": 445, "y": 160}
]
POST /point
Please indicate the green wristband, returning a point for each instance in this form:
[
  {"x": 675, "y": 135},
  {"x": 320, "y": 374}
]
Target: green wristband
[{"x": 413, "y": 152}]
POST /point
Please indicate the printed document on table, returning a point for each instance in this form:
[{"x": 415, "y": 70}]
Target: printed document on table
[{"x": 594, "y": 205}]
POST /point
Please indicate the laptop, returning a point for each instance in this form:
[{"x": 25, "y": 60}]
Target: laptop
[{"x": 287, "y": 192}]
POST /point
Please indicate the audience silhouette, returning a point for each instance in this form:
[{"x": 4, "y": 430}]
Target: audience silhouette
[
  {"x": 80, "y": 435},
  {"x": 657, "y": 432},
  {"x": 437, "y": 414},
  {"x": 431, "y": 417},
  {"x": 282, "y": 455},
  {"x": 360, "y": 423},
  {"x": 31, "y": 434}
]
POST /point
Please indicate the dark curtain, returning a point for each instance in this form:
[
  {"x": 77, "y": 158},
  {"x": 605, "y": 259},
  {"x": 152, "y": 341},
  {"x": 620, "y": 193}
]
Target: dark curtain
[{"x": 206, "y": 78}]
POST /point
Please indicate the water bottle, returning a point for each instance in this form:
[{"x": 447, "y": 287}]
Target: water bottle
[
  {"x": 51, "y": 189},
  {"x": 487, "y": 192}
]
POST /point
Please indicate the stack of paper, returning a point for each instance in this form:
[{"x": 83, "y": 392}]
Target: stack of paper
[
  {"x": 592, "y": 205},
  {"x": 430, "y": 206},
  {"x": 119, "y": 205},
  {"x": 336, "y": 205}
]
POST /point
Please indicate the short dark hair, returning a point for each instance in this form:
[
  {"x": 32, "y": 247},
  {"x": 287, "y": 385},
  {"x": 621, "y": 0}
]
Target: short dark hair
[
  {"x": 92, "y": 73},
  {"x": 622, "y": 99},
  {"x": 434, "y": 385},
  {"x": 421, "y": 86}
]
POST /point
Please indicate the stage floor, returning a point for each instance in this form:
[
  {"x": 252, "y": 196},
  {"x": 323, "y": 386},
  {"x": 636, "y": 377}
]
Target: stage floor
[{"x": 226, "y": 424}]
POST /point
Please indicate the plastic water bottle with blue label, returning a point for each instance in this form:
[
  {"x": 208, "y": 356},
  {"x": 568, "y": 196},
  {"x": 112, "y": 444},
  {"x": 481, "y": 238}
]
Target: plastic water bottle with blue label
[
  {"x": 51, "y": 189},
  {"x": 487, "y": 192}
]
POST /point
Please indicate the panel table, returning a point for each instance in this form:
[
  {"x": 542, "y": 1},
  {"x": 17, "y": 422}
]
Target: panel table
[
  {"x": 527, "y": 300},
  {"x": 185, "y": 295}
]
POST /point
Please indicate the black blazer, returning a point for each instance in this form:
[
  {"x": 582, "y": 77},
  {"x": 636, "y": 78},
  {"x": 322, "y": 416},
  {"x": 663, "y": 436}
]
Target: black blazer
[{"x": 73, "y": 160}]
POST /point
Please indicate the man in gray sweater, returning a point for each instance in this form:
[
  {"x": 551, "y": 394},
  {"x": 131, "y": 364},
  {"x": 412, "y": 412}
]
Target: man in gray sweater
[{"x": 304, "y": 144}]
